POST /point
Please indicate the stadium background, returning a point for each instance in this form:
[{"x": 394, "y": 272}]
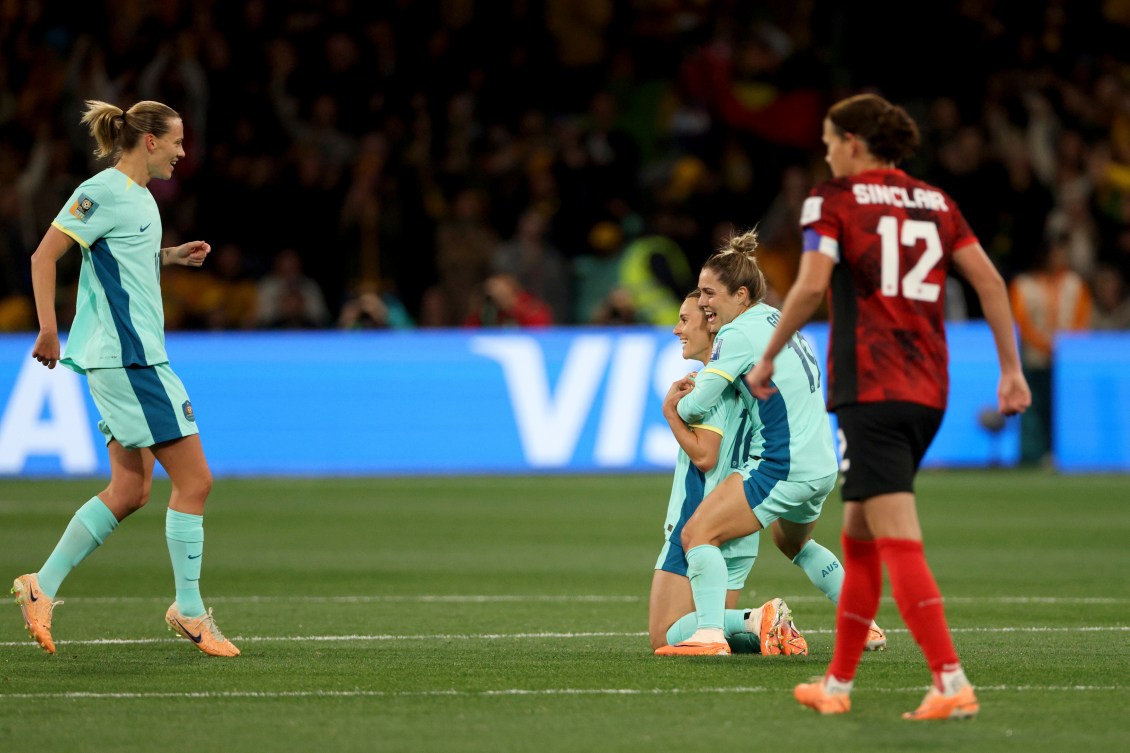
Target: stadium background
[
  {"x": 371, "y": 165},
  {"x": 393, "y": 146}
]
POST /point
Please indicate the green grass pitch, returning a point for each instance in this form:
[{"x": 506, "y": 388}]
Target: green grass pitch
[{"x": 509, "y": 614}]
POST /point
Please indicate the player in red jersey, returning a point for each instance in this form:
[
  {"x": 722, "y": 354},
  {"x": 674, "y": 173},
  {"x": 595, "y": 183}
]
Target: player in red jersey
[{"x": 881, "y": 243}]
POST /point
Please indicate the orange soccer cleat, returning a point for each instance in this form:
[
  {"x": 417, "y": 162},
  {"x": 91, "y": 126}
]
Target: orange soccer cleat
[
  {"x": 815, "y": 696},
  {"x": 37, "y": 608},
  {"x": 778, "y": 633},
  {"x": 694, "y": 648},
  {"x": 202, "y": 631},
  {"x": 876, "y": 638},
  {"x": 959, "y": 705}
]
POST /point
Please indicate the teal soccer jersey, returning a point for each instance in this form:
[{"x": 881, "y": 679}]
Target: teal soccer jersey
[
  {"x": 119, "y": 317},
  {"x": 792, "y": 437},
  {"x": 690, "y": 486}
]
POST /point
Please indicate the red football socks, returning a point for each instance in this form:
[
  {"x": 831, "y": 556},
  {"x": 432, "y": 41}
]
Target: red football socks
[
  {"x": 919, "y": 601},
  {"x": 859, "y": 603}
]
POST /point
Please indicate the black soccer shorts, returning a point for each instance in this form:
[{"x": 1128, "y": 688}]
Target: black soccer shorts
[{"x": 883, "y": 445}]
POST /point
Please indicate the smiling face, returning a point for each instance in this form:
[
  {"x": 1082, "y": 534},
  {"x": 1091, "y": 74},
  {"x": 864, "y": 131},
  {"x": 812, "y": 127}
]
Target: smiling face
[
  {"x": 719, "y": 304},
  {"x": 165, "y": 150},
  {"x": 692, "y": 332}
]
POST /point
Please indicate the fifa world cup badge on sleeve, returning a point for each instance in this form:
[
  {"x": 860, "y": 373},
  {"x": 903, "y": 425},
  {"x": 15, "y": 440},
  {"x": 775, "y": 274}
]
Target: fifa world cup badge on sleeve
[
  {"x": 810, "y": 210},
  {"x": 84, "y": 207}
]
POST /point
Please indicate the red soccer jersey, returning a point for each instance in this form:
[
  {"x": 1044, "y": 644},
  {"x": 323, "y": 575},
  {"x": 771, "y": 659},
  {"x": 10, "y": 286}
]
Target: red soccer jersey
[{"x": 892, "y": 238}]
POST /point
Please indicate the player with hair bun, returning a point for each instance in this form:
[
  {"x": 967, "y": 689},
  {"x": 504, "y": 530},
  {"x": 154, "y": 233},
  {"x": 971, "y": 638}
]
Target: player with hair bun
[
  {"x": 789, "y": 466},
  {"x": 709, "y": 450}
]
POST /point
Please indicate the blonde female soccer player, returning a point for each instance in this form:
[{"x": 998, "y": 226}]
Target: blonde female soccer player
[
  {"x": 791, "y": 465},
  {"x": 709, "y": 451},
  {"x": 117, "y": 340}
]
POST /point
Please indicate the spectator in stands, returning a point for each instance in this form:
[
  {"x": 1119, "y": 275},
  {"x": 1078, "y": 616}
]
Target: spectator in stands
[
  {"x": 559, "y": 117},
  {"x": 226, "y": 295},
  {"x": 653, "y": 269},
  {"x": 503, "y": 302},
  {"x": 596, "y": 277},
  {"x": 292, "y": 311},
  {"x": 616, "y": 309},
  {"x": 465, "y": 241},
  {"x": 536, "y": 263},
  {"x": 287, "y": 296},
  {"x": 1046, "y": 300},
  {"x": 373, "y": 308},
  {"x": 579, "y": 29},
  {"x": 1112, "y": 305}
]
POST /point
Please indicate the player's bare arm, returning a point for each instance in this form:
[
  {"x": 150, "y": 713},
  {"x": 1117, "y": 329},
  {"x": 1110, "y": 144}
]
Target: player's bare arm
[
  {"x": 51, "y": 248},
  {"x": 701, "y": 446},
  {"x": 1013, "y": 394},
  {"x": 800, "y": 304},
  {"x": 191, "y": 254}
]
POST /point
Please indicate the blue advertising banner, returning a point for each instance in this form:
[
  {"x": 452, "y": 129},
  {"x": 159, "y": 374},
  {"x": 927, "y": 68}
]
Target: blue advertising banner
[
  {"x": 1091, "y": 402},
  {"x": 431, "y": 402}
]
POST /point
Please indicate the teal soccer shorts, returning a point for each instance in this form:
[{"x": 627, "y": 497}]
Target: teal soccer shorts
[
  {"x": 141, "y": 405},
  {"x": 795, "y": 501},
  {"x": 740, "y": 554}
]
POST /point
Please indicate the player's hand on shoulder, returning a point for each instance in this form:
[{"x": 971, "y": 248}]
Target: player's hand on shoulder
[
  {"x": 758, "y": 379},
  {"x": 678, "y": 389}
]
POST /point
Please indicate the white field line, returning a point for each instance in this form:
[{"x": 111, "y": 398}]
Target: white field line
[
  {"x": 549, "y": 598},
  {"x": 376, "y": 599},
  {"x": 509, "y": 692},
  {"x": 379, "y": 637}
]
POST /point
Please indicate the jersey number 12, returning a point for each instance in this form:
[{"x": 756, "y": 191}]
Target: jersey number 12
[{"x": 913, "y": 282}]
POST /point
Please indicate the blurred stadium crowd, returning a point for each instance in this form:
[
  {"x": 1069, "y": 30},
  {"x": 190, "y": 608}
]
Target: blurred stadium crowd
[{"x": 435, "y": 163}]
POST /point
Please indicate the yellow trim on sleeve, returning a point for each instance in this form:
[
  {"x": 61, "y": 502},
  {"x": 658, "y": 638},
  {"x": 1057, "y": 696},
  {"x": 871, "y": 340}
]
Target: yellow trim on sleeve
[
  {"x": 69, "y": 233},
  {"x": 706, "y": 427},
  {"x": 720, "y": 373}
]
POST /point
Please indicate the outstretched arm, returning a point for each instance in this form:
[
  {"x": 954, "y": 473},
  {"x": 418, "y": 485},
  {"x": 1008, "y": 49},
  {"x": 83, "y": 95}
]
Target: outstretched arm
[
  {"x": 1013, "y": 395},
  {"x": 800, "y": 304}
]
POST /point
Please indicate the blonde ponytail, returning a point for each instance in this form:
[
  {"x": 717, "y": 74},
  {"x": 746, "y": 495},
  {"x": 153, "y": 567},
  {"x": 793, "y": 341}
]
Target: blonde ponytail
[{"x": 116, "y": 131}]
